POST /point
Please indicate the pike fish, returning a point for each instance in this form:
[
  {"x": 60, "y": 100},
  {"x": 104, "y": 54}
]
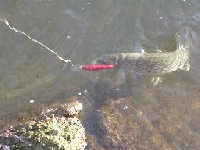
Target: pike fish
[{"x": 154, "y": 64}]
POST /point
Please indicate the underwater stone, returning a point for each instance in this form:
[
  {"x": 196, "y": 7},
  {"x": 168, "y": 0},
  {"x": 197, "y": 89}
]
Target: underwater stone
[
  {"x": 54, "y": 130},
  {"x": 127, "y": 128},
  {"x": 72, "y": 108}
]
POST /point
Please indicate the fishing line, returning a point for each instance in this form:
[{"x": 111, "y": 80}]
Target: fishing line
[
  {"x": 5, "y": 21},
  {"x": 87, "y": 67}
]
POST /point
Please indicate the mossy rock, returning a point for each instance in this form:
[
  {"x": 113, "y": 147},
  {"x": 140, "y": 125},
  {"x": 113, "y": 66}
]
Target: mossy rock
[
  {"x": 58, "y": 133},
  {"x": 54, "y": 130}
]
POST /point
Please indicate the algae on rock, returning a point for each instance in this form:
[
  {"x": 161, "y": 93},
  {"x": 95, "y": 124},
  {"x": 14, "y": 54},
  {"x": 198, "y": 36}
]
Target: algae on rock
[{"x": 54, "y": 130}]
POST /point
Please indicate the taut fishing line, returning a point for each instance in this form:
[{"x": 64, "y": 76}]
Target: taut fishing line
[
  {"x": 5, "y": 21},
  {"x": 87, "y": 67}
]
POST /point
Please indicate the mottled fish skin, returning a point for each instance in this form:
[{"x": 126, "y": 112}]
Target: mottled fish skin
[{"x": 149, "y": 63}]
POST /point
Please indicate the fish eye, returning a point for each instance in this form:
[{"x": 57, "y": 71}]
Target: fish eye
[{"x": 101, "y": 61}]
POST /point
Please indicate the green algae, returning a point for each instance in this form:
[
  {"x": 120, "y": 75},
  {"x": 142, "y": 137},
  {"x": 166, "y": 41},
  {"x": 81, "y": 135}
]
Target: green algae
[
  {"x": 48, "y": 131},
  {"x": 58, "y": 132}
]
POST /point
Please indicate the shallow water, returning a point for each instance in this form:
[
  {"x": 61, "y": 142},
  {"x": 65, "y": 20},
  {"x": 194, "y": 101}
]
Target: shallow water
[{"x": 83, "y": 30}]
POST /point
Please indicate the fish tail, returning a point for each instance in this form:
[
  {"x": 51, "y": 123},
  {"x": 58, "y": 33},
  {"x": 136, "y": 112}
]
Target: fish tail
[
  {"x": 186, "y": 66},
  {"x": 183, "y": 39},
  {"x": 183, "y": 46}
]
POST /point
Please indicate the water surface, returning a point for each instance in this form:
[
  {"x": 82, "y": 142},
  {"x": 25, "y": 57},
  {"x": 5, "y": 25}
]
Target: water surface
[{"x": 83, "y": 30}]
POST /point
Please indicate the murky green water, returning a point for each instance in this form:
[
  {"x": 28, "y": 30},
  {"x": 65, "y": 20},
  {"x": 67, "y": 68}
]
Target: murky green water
[{"x": 83, "y": 30}]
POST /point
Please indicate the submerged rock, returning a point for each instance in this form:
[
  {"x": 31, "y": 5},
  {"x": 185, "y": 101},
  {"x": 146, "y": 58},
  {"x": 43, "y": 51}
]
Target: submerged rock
[
  {"x": 58, "y": 132},
  {"x": 127, "y": 128},
  {"x": 128, "y": 124},
  {"x": 70, "y": 109},
  {"x": 55, "y": 128}
]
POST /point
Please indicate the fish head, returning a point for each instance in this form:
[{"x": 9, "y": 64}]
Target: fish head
[{"x": 106, "y": 59}]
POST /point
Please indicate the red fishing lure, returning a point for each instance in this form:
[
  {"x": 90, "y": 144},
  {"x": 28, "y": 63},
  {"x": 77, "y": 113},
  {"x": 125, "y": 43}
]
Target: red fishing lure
[{"x": 89, "y": 67}]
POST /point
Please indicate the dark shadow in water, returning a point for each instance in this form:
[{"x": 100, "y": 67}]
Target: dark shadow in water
[{"x": 99, "y": 91}]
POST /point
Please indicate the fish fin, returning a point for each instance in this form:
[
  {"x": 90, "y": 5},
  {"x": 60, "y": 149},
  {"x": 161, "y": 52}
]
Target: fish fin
[
  {"x": 156, "y": 80},
  {"x": 183, "y": 38},
  {"x": 139, "y": 48},
  {"x": 184, "y": 42},
  {"x": 158, "y": 50},
  {"x": 132, "y": 79},
  {"x": 186, "y": 66},
  {"x": 120, "y": 77}
]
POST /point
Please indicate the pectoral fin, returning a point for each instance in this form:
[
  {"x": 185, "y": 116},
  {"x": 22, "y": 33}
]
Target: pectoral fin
[
  {"x": 186, "y": 67},
  {"x": 156, "y": 80},
  {"x": 121, "y": 77}
]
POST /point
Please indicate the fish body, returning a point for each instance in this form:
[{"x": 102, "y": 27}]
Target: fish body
[{"x": 149, "y": 63}]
